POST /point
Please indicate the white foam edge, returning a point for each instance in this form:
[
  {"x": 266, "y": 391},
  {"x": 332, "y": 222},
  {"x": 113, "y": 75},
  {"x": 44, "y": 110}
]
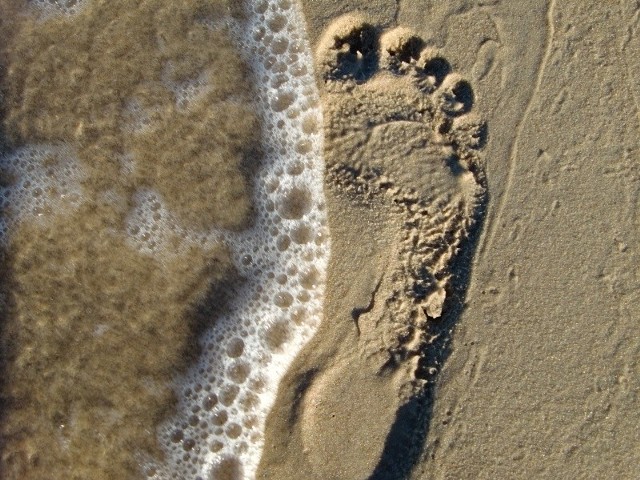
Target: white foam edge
[
  {"x": 31, "y": 189},
  {"x": 253, "y": 308},
  {"x": 57, "y": 8}
]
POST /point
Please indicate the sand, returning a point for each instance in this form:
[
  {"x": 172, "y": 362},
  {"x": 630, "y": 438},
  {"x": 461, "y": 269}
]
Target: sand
[
  {"x": 537, "y": 373},
  {"x": 481, "y": 306}
]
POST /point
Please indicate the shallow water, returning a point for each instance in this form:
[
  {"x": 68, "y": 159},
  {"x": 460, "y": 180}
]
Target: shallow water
[{"x": 165, "y": 241}]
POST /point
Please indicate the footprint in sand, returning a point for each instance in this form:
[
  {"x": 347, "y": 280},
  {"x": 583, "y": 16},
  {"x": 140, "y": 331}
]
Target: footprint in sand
[{"x": 403, "y": 170}]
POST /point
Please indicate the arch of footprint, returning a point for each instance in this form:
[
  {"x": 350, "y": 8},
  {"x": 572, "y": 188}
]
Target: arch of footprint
[{"x": 120, "y": 255}]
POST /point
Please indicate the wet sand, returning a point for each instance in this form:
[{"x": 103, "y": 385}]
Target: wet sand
[{"x": 93, "y": 329}]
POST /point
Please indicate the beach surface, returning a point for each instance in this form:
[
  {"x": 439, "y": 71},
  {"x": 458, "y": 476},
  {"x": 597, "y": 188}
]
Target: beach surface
[
  {"x": 424, "y": 268},
  {"x": 538, "y": 374}
]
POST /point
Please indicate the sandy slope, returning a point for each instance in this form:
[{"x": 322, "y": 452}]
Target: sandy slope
[{"x": 540, "y": 379}]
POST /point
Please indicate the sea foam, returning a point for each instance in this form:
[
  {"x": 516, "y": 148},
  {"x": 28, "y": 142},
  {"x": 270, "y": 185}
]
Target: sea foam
[
  {"x": 39, "y": 179},
  {"x": 282, "y": 259}
]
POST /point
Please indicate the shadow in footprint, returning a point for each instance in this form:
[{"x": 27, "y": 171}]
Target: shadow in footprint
[
  {"x": 434, "y": 201},
  {"x": 358, "y": 56},
  {"x": 463, "y": 93},
  {"x": 437, "y": 68},
  {"x": 408, "y": 435}
]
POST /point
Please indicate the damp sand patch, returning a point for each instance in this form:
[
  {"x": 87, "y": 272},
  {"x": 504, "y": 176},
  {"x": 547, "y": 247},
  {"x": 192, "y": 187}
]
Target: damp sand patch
[{"x": 148, "y": 318}]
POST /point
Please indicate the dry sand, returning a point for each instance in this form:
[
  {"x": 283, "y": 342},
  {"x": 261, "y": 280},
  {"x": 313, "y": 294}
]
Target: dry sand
[
  {"x": 540, "y": 378},
  {"x": 481, "y": 318}
]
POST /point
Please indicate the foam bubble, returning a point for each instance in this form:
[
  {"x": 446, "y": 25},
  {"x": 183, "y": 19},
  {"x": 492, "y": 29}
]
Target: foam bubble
[
  {"x": 58, "y": 7},
  {"x": 38, "y": 182}
]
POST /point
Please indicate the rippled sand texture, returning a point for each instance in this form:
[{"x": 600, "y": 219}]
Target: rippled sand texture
[{"x": 94, "y": 329}]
